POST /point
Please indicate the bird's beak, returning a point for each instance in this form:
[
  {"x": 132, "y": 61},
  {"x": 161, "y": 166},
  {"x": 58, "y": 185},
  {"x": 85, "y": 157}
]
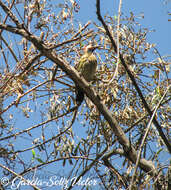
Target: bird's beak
[{"x": 95, "y": 47}]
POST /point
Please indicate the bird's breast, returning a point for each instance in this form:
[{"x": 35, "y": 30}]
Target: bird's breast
[{"x": 89, "y": 68}]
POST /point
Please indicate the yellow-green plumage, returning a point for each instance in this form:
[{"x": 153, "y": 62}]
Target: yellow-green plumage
[{"x": 87, "y": 67}]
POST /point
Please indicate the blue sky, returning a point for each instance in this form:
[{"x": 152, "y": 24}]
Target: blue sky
[{"x": 155, "y": 17}]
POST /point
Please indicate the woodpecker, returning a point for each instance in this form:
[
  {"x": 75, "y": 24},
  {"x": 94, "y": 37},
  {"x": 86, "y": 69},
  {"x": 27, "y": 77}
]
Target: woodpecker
[{"x": 87, "y": 67}]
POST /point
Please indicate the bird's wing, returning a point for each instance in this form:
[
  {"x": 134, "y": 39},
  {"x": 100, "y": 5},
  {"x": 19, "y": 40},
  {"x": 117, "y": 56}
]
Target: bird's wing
[{"x": 82, "y": 61}]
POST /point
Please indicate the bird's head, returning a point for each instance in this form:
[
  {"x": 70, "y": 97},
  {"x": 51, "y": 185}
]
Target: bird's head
[{"x": 89, "y": 48}]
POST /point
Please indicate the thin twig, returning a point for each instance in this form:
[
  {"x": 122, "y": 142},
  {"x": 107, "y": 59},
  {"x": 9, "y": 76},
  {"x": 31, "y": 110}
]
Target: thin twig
[
  {"x": 118, "y": 36},
  {"x": 162, "y": 64},
  {"x": 70, "y": 40},
  {"x": 82, "y": 29},
  {"x": 10, "y": 49},
  {"x": 120, "y": 177}
]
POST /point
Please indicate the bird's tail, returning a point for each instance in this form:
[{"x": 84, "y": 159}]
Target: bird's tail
[{"x": 79, "y": 95}]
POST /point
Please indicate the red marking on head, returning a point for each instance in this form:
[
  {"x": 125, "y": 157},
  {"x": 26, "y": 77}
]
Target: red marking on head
[{"x": 88, "y": 48}]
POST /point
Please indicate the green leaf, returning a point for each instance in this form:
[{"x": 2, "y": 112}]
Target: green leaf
[
  {"x": 33, "y": 153},
  {"x": 115, "y": 17},
  {"x": 158, "y": 152}
]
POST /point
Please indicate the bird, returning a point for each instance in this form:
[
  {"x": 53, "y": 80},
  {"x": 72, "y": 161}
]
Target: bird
[{"x": 87, "y": 67}]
